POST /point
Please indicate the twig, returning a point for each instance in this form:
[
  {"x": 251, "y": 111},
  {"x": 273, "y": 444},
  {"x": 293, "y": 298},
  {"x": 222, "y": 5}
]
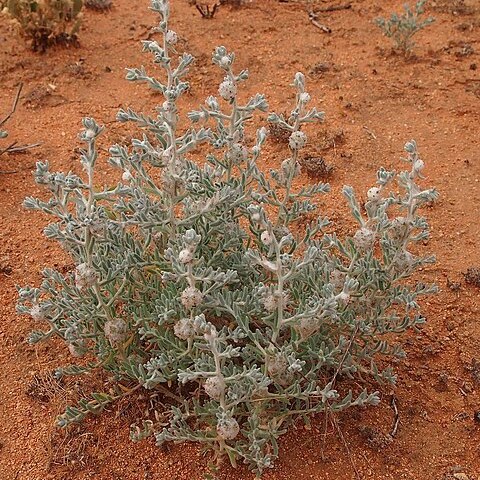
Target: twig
[
  {"x": 312, "y": 16},
  {"x": 344, "y": 356},
  {"x": 370, "y": 132},
  {"x": 18, "y": 148},
  {"x": 325, "y": 435},
  {"x": 14, "y": 106},
  {"x": 396, "y": 418},
  {"x": 345, "y": 444},
  {"x": 14, "y": 147},
  {"x": 205, "y": 10},
  {"x": 22, "y": 148}
]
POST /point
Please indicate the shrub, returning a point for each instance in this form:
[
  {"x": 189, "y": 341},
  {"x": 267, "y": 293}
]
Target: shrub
[
  {"x": 402, "y": 28},
  {"x": 191, "y": 283},
  {"x": 46, "y": 22}
]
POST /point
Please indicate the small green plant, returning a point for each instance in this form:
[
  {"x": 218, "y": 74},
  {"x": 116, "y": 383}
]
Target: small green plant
[
  {"x": 205, "y": 284},
  {"x": 46, "y": 22},
  {"x": 402, "y": 28}
]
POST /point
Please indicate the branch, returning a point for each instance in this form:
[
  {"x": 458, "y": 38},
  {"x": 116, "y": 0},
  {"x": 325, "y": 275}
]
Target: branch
[
  {"x": 312, "y": 16},
  {"x": 14, "y": 147},
  {"x": 14, "y": 106}
]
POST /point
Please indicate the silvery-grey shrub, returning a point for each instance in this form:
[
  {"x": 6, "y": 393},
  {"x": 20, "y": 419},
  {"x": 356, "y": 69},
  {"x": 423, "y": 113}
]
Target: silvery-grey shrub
[
  {"x": 202, "y": 282},
  {"x": 402, "y": 28}
]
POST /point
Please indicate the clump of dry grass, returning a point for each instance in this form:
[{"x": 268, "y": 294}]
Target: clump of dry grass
[
  {"x": 71, "y": 448},
  {"x": 315, "y": 166},
  {"x": 45, "y": 387},
  {"x": 278, "y": 132}
]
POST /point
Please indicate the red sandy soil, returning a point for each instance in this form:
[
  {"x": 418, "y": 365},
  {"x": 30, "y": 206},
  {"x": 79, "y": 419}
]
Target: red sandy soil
[{"x": 379, "y": 100}]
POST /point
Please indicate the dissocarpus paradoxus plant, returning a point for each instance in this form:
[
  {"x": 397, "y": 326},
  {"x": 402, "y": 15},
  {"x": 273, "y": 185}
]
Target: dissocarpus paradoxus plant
[{"x": 199, "y": 283}]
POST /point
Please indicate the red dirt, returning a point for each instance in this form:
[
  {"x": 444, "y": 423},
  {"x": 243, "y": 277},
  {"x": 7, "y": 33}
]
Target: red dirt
[{"x": 380, "y": 101}]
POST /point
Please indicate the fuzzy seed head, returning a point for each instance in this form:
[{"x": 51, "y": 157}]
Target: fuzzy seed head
[
  {"x": 171, "y": 37},
  {"x": 270, "y": 303},
  {"x": 277, "y": 364},
  {"x": 168, "y": 106},
  {"x": 127, "y": 176},
  {"x": 214, "y": 387},
  {"x": 403, "y": 261},
  {"x": 266, "y": 238},
  {"x": 304, "y": 97},
  {"x": 337, "y": 278},
  {"x": 373, "y": 193},
  {"x": 85, "y": 276},
  {"x": 286, "y": 164},
  {"x": 256, "y": 217},
  {"x": 228, "y": 428},
  {"x": 307, "y": 327},
  {"x": 191, "y": 297},
  {"x": 297, "y": 140},
  {"x": 343, "y": 297},
  {"x": 238, "y": 153},
  {"x": 166, "y": 156},
  {"x": 398, "y": 228},
  {"x": 37, "y": 313},
  {"x": 419, "y": 165},
  {"x": 364, "y": 239},
  {"x": 210, "y": 333},
  {"x": 116, "y": 330},
  {"x": 225, "y": 61},
  {"x": 227, "y": 90},
  {"x": 185, "y": 256},
  {"x": 89, "y": 134},
  {"x": 184, "y": 329}
]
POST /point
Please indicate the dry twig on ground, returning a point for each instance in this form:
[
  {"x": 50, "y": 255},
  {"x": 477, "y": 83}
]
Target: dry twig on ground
[{"x": 13, "y": 147}]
